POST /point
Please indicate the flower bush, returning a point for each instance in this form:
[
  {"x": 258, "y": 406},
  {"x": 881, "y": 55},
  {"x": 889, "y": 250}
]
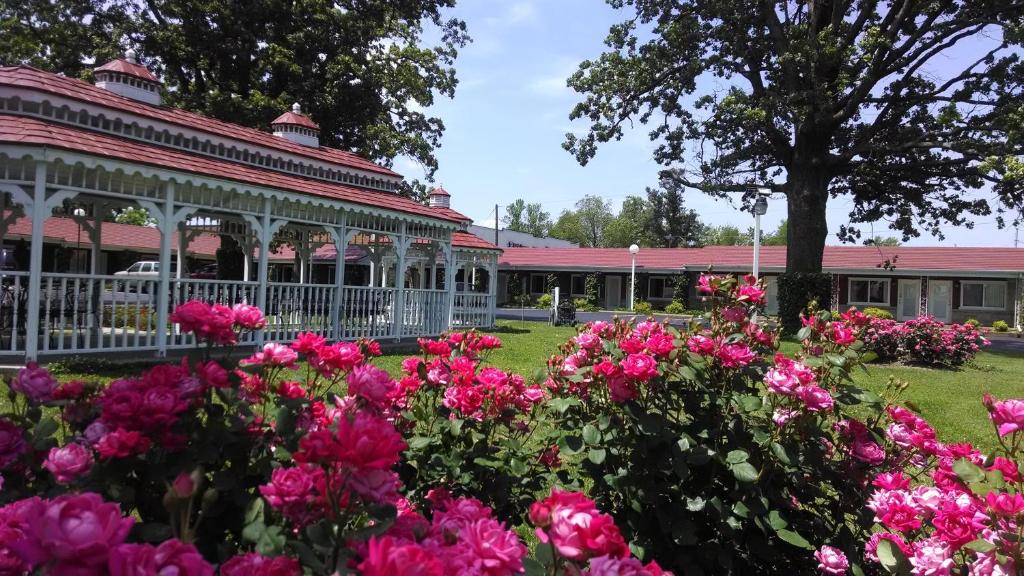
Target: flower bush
[
  {"x": 714, "y": 452},
  {"x": 924, "y": 340}
]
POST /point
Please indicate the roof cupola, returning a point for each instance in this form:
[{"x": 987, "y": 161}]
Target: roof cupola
[
  {"x": 297, "y": 127},
  {"x": 126, "y": 77}
]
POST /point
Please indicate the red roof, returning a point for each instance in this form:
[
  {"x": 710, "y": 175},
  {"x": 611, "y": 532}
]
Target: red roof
[
  {"x": 738, "y": 258},
  {"x": 446, "y": 212},
  {"x": 439, "y": 191},
  {"x": 24, "y": 130},
  {"x": 470, "y": 240},
  {"x": 28, "y": 77},
  {"x": 296, "y": 120},
  {"x": 130, "y": 68}
]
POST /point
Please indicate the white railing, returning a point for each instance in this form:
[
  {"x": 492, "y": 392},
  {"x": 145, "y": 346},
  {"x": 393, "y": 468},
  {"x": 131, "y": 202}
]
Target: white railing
[
  {"x": 472, "y": 310},
  {"x": 366, "y": 312},
  {"x": 294, "y": 308},
  {"x": 424, "y": 313},
  {"x": 226, "y": 292},
  {"x": 13, "y": 305},
  {"x": 91, "y": 313}
]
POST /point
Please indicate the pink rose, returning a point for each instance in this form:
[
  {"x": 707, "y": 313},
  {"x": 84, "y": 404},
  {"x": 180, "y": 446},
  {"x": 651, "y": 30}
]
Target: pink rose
[
  {"x": 34, "y": 382},
  {"x": 388, "y": 556},
  {"x": 734, "y": 314},
  {"x": 1008, "y": 416},
  {"x": 75, "y": 530},
  {"x": 273, "y": 354},
  {"x": 815, "y": 398},
  {"x": 589, "y": 341},
  {"x": 255, "y": 564},
  {"x": 867, "y": 451},
  {"x": 735, "y": 355},
  {"x": 781, "y": 382},
  {"x": 209, "y": 323},
  {"x": 931, "y": 557},
  {"x": 12, "y": 443},
  {"x": 752, "y": 293},
  {"x": 248, "y": 317},
  {"x": 640, "y": 367},
  {"x": 375, "y": 486},
  {"x": 842, "y": 335},
  {"x": 700, "y": 344},
  {"x": 831, "y": 561},
  {"x": 69, "y": 462},
  {"x": 486, "y": 547},
  {"x": 371, "y": 383},
  {"x": 170, "y": 557}
]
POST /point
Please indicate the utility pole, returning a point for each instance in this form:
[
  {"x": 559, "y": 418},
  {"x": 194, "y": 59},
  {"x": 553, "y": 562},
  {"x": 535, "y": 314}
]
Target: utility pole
[
  {"x": 496, "y": 225},
  {"x": 1016, "y": 236}
]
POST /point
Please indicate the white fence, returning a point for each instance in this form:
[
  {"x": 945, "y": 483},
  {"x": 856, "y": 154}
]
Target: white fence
[
  {"x": 424, "y": 313},
  {"x": 366, "y": 312},
  {"x": 472, "y": 310}
]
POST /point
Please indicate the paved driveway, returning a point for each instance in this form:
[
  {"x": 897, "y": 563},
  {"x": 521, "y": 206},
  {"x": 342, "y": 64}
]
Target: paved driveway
[{"x": 538, "y": 315}]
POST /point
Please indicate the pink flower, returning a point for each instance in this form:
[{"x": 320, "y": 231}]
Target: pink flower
[
  {"x": 988, "y": 564},
  {"x": 621, "y": 390},
  {"x": 640, "y": 367},
  {"x": 573, "y": 525},
  {"x": 486, "y": 547},
  {"x": 895, "y": 509},
  {"x": 932, "y": 557},
  {"x": 75, "y": 530},
  {"x": 34, "y": 382},
  {"x": 871, "y": 548},
  {"x": 308, "y": 343},
  {"x": 255, "y": 564},
  {"x": 734, "y": 314},
  {"x": 1008, "y": 416},
  {"x": 867, "y": 451},
  {"x": 371, "y": 383},
  {"x": 700, "y": 344},
  {"x": 122, "y": 443},
  {"x": 273, "y": 354},
  {"x": 958, "y": 526},
  {"x": 815, "y": 398},
  {"x": 752, "y": 293},
  {"x": 12, "y": 443},
  {"x": 368, "y": 442},
  {"x": 891, "y": 481},
  {"x": 1003, "y": 504},
  {"x": 209, "y": 323},
  {"x": 170, "y": 557},
  {"x": 735, "y": 355},
  {"x": 782, "y": 416},
  {"x": 387, "y": 556},
  {"x": 841, "y": 334},
  {"x": 248, "y": 317},
  {"x": 589, "y": 341},
  {"x": 831, "y": 560},
  {"x": 68, "y": 463},
  {"x": 375, "y": 486},
  {"x": 704, "y": 284},
  {"x": 781, "y": 382}
]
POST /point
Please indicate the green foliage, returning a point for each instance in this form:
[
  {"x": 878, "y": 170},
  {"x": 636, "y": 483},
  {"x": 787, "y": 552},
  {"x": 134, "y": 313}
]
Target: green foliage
[
  {"x": 1000, "y": 326},
  {"x": 726, "y": 235},
  {"x": 544, "y": 301},
  {"x": 568, "y": 227},
  {"x": 529, "y": 218},
  {"x": 364, "y": 71},
  {"x": 129, "y": 316},
  {"x": 680, "y": 294},
  {"x": 778, "y": 237},
  {"x": 873, "y": 312},
  {"x": 796, "y": 291},
  {"x": 135, "y": 217},
  {"x": 675, "y": 308},
  {"x": 972, "y": 322},
  {"x": 818, "y": 103},
  {"x": 584, "y": 305},
  {"x": 592, "y": 289},
  {"x": 670, "y": 224},
  {"x": 642, "y": 308},
  {"x": 630, "y": 225}
]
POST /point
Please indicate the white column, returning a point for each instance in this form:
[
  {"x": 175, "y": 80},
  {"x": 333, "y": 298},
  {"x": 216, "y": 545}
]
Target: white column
[
  {"x": 373, "y": 270},
  {"x": 384, "y": 274},
  {"x": 179, "y": 272},
  {"x": 421, "y": 275},
  {"x": 341, "y": 238},
  {"x": 492, "y": 288},
  {"x": 261, "y": 291},
  {"x": 398, "y": 309},
  {"x": 35, "y": 263},
  {"x": 96, "y": 238},
  {"x": 167, "y": 225},
  {"x": 449, "y": 279}
]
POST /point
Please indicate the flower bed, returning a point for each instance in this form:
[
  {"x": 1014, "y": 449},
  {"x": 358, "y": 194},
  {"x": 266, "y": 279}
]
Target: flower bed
[
  {"x": 924, "y": 341},
  {"x": 711, "y": 451}
]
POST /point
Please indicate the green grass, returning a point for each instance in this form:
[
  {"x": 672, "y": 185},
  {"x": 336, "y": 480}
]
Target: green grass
[{"x": 949, "y": 399}]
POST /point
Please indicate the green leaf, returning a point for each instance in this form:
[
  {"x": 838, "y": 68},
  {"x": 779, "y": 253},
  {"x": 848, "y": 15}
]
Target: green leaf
[
  {"x": 254, "y": 513},
  {"x": 44, "y": 429},
  {"x": 455, "y": 426},
  {"x": 517, "y": 467},
  {"x": 776, "y": 521},
  {"x": 744, "y": 472},
  {"x": 795, "y": 539},
  {"x": 695, "y": 504},
  {"x": 780, "y": 452},
  {"x": 980, "y": 545},
  {"x": 570, "y": 444},
  {"x": 856, "y": 570},
  {"x": 544, "y": 554},
  {"x": 591, "y": 434},
  {"x": 563, "y": 404},
  {"x": 533, "y": 568},
  {"x": 597, "y": 455},
  {"x": 750, "y": 403},
  {"x": 420, "y": 442},
  {"x": 891, "y": 557},
  {"x": 737, "y": 456},
  {"x": 804, "y": 333},
  {"x": 968, "y": 471}
]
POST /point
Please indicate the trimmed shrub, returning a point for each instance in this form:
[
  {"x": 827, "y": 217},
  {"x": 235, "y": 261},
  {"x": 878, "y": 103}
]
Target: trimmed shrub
[
  {"x": 796, "y": 291},
  {"x": 923, "y": 340},
  {"x": 592, "y": 289},
  {"x": 642, "y": 308},
  {"x": 675, "y": 307},
  {"x": 872, "y": 312},
  {"x": 544, "y": 301},
  {"x": 973, "y": 322},
  {"x": 584, "y": 305},
  {"x": 1000, "y": 326},
  {"x": 680, "y": 284}
]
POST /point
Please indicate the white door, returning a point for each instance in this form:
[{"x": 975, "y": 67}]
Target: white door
[
  {"x": 908, "y": 299},
  {"x": 940, "y": 299},
  {"x": 612, "y": 292},
  {"x": 771, "y": 296}
]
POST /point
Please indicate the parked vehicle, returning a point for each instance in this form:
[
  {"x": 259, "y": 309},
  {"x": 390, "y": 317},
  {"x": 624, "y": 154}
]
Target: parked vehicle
[
  {"x": 143, "y": 269},
  {"x": 206, "y": 272}
]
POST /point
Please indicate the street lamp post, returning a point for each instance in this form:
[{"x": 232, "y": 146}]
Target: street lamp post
[
  {"x": 79, "y": 214},
  {"x": 760, "y": 208},
  {"x": 633, "y": 250}
]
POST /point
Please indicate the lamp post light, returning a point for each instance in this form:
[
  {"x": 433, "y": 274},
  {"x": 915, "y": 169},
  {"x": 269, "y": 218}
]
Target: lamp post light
[
  {"x": 79, "y": 214},
  {"x": 633, "y": 251},
  {"x": 760, "y": 208}
]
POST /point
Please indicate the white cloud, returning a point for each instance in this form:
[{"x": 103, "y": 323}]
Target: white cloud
[
  {"x": 523, "y": 12},
  {"x": 553, "y": 85}
]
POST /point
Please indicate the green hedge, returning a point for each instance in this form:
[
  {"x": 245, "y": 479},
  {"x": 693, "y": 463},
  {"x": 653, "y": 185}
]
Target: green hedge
[{"x": 796, "y": 290}]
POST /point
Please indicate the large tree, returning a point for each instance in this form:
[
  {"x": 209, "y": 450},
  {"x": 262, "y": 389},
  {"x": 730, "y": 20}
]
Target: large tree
[
  {"x": 363, "y": 69},
  {"x": 529, "y": 218},
  {"x": 904, "y": 105},
  {"x": 670, "y": 223},
  {"x": 568, "y": 227},
  {"x": 630, "y": 225},
  {"x": 594, "y": 214}
]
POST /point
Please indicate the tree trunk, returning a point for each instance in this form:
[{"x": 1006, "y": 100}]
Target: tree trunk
[{"x": 806, "y": 198}]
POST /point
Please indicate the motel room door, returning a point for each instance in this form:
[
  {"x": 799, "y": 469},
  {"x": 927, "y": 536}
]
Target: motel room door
[
  {"x": 908, "y": 300},
  {"x": 940, "y": 299},
  {"x": 613, "y": 292}
]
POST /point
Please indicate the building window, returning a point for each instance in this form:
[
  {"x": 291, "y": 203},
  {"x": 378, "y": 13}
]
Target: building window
[
  {"x": 659, "y": 288},
  {"x": 537, "y": 283},
  {"x": 869, "y": 291},
  {"x": 987, "y": 295},
  {"x": 579, "y": 285}
]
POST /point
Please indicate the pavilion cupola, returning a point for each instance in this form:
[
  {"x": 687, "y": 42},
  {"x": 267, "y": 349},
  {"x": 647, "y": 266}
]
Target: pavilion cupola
[
  {"x": 126, "y": 77},
  {"x": 439, "y": 198},
  {"x": 297, "y": 127}
]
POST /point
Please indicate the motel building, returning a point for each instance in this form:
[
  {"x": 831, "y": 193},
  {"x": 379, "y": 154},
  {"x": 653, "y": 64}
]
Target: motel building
[
  {"x": 324, "y": 242},
  {"x": 950, "y": 283}
]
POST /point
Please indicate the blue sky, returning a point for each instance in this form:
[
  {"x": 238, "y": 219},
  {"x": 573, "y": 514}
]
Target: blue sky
[{"x": 506, "y": 124}]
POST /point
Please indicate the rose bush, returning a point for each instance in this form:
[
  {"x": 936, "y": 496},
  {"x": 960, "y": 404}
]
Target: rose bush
[
  {"x": 715, "y": 453},
  {"x": 924, "y": 340}
]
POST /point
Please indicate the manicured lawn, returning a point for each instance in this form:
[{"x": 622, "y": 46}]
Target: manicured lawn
[{"x": 949, "y": 399}]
